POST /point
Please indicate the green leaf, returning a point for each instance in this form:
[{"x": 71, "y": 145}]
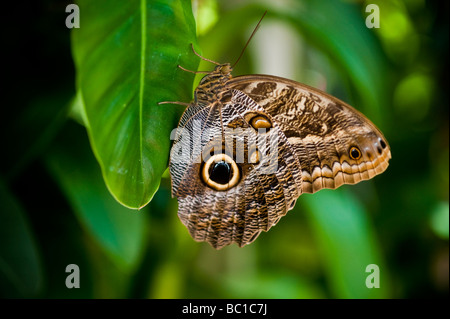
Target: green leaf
[
  {"x": 346, "y": 239},
  {"x": 126, "y": 55},
  {"x": 20, "y": 266},
  {"x": 118, "y": 230}
]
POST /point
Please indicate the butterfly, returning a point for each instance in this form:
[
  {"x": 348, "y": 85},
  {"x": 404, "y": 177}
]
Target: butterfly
[{"x": 248, "y": 146}]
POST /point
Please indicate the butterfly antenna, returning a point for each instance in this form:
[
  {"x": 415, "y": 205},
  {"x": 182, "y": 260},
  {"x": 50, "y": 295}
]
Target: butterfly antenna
[{"x": 248, "y": 41}]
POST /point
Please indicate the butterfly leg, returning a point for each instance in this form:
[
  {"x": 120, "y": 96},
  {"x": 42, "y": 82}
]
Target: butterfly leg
[
  {"x": 190, "y": 71},
  {"x": 203, "y": 58}
]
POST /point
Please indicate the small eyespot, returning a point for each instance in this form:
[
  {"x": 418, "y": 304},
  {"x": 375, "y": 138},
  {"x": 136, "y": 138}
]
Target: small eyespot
[
  {"x": 379, "y": 150},
  {"x": 354, "y": 153},
  {"x": 383, "y": 143},
  {"x": 258, "y": 120}
]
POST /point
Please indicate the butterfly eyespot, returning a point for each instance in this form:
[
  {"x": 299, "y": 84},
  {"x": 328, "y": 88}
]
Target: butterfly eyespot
[
  {"x": 260, "y": 122},
  {"x": 382, "y": 143},
  {"x": 354, "y": 153},
  {"x": 220, "y": 172}
]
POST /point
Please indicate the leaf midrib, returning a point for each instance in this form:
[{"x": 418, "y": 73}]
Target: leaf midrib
[{"x": 142, "y": 80}]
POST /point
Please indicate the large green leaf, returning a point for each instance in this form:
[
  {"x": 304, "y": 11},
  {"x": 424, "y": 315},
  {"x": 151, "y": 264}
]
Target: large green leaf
[{"x": 126, "y": 55}]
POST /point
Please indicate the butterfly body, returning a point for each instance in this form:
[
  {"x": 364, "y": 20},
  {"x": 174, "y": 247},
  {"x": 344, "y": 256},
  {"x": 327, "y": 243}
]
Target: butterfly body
[{"x": 247, "y": 147}]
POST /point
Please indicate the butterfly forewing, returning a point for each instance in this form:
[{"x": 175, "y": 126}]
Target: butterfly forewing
[{"x": 322, "y": 131}]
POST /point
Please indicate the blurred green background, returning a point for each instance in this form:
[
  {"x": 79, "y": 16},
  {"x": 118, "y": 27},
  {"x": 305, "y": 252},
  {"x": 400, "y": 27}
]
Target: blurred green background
[{"x": 55, "y": 209}]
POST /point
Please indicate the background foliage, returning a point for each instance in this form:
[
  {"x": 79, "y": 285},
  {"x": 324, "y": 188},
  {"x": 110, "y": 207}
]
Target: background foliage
[{"x": 55, "y": 208}]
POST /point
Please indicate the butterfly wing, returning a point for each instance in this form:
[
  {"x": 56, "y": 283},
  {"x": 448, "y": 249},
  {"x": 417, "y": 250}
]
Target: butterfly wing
[
  {"x": 312, "y": 141},
  {"x": 334, "y": 143},
  {"x": 268, "y": 185}
]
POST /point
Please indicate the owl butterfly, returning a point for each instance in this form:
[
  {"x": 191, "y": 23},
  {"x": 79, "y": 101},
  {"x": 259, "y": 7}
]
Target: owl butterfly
[{"x": 247, "y": 147}]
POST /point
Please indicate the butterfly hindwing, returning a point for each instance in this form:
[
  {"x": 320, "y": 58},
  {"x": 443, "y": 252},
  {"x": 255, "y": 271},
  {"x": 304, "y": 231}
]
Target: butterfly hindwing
[{"x": 265, "y": 192}]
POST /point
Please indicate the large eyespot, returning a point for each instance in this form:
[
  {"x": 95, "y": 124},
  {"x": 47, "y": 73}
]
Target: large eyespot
[
  {"x": 258, "y": 120},
  {"x": 220, "y": 172},
  {"x": 354, "y": 153}
]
